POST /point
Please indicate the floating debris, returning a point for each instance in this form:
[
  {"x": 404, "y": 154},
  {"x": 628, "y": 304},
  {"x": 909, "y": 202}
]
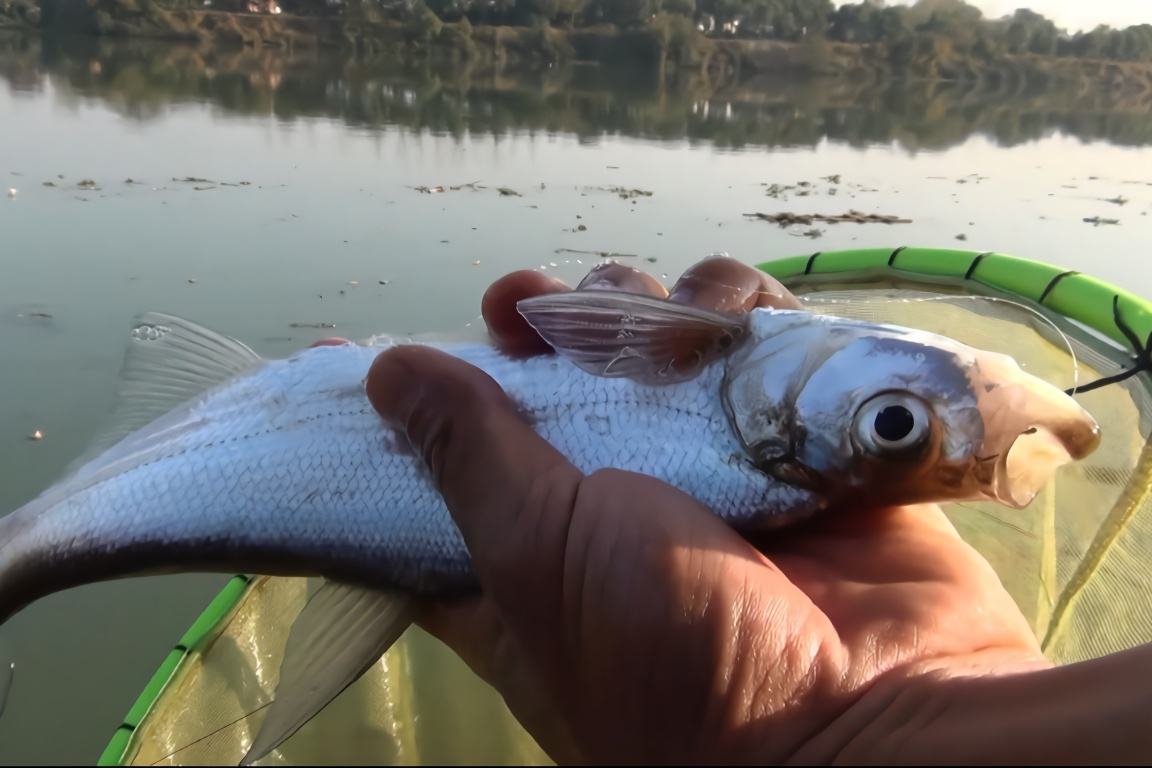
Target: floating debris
[
  {"x": 87, "y": 184},
  {"x": 429, "y": 190},
  {"x": 36, "y": 315},
  {"x": 625, "y": 193},
  {"x": 12, "y": 192},
  {"x": 581, "y": 228},
  {"x": 650, "y": 259},
  {"x": 48, "y": 183},
  {"x": 506, "y": 192},
  {"x": 776, "y": 190},
  {"x": 383, "y": 282},
  {"x": 193, "y": 180},
  {"x": 1097, "y": 221},
  {"x": 601, "y": 254},
  {"x": 353, "y": 283},
  {"x": 1118, "y": 200},
  {"x": 852, "y": 217},
  {"x": 191, "y": 281},
  {"x": 812, "y": 233},
  {"x": 476, "y": 263},
  {"x": 202, "y": 189},
  {"x": 36, "y": 436},
  {"x": 833, "y": 179},
  {"x": 312, "y": 325},
  {"x": 961, "y": 236}
]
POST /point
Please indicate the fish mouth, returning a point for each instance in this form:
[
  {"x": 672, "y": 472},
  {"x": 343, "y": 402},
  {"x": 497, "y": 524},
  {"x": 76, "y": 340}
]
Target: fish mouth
[{"x": 1031, "y": 429}]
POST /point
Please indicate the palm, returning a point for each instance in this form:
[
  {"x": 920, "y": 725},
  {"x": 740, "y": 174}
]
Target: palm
[
  {"x": 724, "y": 643},
  {"x": 902, "y": 587}
]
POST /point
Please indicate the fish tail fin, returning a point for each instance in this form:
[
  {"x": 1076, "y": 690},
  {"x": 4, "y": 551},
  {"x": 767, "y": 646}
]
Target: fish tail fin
[{"x": 168, "y": 361}]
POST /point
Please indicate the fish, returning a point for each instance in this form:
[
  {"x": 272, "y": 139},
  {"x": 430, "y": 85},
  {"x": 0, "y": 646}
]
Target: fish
[{"x": 226, "y": 462}]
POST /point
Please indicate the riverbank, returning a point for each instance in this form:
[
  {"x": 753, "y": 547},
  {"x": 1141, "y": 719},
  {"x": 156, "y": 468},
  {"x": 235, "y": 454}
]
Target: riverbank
[{"x": 669, "y": 45}]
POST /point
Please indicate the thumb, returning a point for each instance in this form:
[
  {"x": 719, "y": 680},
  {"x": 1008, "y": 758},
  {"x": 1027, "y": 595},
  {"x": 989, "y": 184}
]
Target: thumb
[{"x": 510, "y": 492}]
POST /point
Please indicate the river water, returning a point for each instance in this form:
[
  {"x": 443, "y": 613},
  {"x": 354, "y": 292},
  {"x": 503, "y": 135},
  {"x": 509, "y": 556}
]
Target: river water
[{"x": 258, "y": 194}]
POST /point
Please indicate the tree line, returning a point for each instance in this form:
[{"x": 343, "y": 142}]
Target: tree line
[
  {"x": 872, "y": 21},
  {"x": 144, "y": 80}
]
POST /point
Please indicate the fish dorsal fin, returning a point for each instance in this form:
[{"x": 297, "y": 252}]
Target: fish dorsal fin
[
  {"x": 168, "y": 361},
  {"x": 609, "y": 333},
  {"x": 341, "y": 632}
]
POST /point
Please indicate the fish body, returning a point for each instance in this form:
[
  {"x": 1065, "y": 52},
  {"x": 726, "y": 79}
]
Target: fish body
[
  {"x": 291, "y": 464},
  {"x": 283, "y": 467}
]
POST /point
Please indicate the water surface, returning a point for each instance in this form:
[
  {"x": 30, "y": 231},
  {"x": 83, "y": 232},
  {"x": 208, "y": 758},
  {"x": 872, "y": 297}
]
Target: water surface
[{"x": 268, "y": 193}]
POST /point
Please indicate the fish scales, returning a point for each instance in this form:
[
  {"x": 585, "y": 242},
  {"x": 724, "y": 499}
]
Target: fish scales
[{"x": 291, "y": 464}]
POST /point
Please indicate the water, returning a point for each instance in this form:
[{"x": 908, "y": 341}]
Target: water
[{"x": 308, "y": 170}]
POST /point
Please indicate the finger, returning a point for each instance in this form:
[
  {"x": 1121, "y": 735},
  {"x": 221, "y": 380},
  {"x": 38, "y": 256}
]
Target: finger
[
  {"x": 618, "y": 277},
  {"x": 723, "y": 284},
  {"x": 509, "y": 491},
  {"x": 508, "y": 328}
]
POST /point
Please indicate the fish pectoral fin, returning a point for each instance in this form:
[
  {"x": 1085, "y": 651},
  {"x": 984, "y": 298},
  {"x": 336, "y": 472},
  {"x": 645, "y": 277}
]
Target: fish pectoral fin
[
  {"x": 608, "y": 333},
  {"x": 168, "y": 361},
  {"x": 341, "y": 632}
]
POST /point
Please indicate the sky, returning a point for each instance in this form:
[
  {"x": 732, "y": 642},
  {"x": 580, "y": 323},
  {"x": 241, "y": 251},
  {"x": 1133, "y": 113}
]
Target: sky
[{"x": 1072, "y": 14}]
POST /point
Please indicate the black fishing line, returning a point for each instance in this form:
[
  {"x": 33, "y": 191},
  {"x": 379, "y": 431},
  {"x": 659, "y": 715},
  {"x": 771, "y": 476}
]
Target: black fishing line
[{"x": 1141, "y": 351}]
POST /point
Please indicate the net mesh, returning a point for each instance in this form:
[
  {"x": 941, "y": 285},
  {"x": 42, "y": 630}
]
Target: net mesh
[{"x": 1076, "y": 561}]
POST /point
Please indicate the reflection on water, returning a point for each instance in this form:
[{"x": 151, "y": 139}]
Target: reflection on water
[{"x": 143, "y": 79}]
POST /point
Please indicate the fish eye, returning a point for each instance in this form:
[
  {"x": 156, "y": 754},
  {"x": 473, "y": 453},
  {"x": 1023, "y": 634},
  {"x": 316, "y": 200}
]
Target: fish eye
[{"x": 892, "y": 423}]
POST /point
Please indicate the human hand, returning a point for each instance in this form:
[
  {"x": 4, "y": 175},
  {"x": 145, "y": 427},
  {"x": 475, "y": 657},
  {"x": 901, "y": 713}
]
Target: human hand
[{"x": 623, "y": 622}]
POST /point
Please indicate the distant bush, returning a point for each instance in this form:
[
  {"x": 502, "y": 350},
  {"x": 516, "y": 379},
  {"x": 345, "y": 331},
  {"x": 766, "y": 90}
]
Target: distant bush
[{"x": 457, "y": 38}]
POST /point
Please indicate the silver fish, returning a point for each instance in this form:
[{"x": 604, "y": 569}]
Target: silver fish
[{"x": 283, "y": 466}]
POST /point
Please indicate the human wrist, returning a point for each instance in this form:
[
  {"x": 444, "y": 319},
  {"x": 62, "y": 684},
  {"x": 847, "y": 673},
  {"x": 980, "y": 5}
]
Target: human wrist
[{"x": 1003, "y": 711}]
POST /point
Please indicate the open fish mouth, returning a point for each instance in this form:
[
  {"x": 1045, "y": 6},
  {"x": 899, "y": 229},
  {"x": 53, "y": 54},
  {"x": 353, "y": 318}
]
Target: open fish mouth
[{"x": 1031, "y": 429}]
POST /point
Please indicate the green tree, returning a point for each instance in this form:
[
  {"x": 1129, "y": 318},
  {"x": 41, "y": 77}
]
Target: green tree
[{"x": 423, "y": 25}]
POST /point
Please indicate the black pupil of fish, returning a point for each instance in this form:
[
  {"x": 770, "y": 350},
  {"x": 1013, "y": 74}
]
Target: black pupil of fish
[{"x": 894, "y": 423}]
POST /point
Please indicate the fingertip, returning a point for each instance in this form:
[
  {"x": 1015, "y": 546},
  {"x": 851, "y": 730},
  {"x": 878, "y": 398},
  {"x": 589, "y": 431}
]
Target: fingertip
[
  {"x": 508, "y": 328},
  {"x": 391, "y": 383},
  {"x": 618, "y": 277},
  {"x": 723, "y": 284}
]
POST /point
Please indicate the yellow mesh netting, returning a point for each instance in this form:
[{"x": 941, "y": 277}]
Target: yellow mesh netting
[{"x": 1076, "y": 561}]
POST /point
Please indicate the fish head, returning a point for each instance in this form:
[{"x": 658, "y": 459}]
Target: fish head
[{"x": 874, "y": 414}]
